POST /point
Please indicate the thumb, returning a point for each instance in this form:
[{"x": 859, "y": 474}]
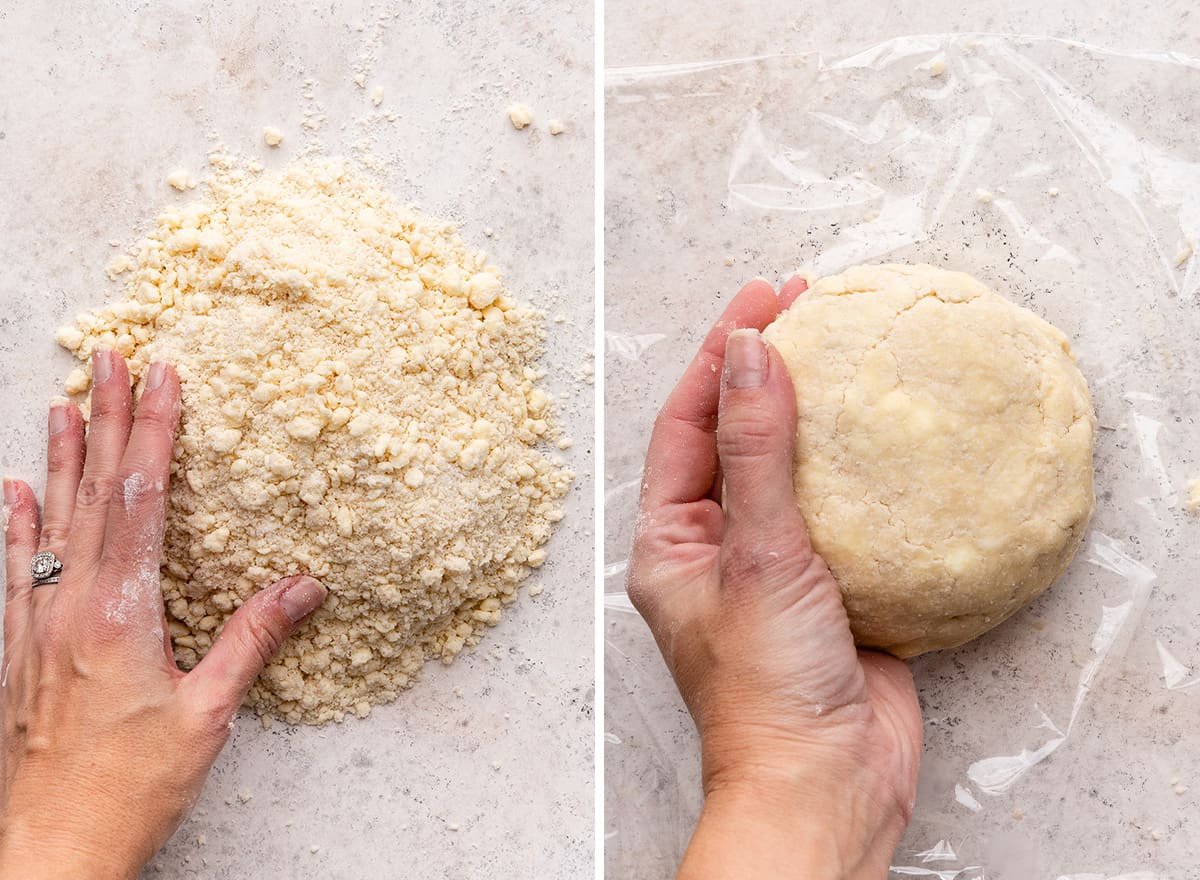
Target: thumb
[
  {"x": 756, "y": 439},
  {"x": 251, "y": 637}
]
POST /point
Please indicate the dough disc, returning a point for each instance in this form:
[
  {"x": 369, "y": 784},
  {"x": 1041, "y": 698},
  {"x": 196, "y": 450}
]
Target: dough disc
[{"x": 944, "y": 450}]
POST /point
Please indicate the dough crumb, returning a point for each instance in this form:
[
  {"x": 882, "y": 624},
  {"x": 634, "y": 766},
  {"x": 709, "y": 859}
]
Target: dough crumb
[
  {"x": 314, "y": 848},
  {"x": 1181, "y": 789},
  {"x": 729, "y": 261},
  {"x": 1156, "y": 834},
  {"x": 984, "y": 196},
  {"x": 520, "y": 116},
  {"x": 1018, "y": 814},
  {"x": 118, "y": 266},
  {"x": 1193, "y": 497},
  {"x": 377, "y": 96},
  {"x": 1184, "y": 255},
  {"x": 273, "y": 136},
  {"x": 556, "y": 127},
  {"x": 360, "y": 80},
  {"x": 245, "y": 797},
  {"x": 1052, "y": 192},
  {"x": 937, "y": 68},
  {"x": 181, "y": 180},
  {"x": 453, "y": 826}
]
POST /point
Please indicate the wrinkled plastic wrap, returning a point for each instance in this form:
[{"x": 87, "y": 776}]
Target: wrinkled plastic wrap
[{"x": 1064, "y": 743}]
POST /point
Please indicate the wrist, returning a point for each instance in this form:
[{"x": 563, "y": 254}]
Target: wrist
[
  {"x": 45, "y": 851},
  {"x": 783, "y": 808}
]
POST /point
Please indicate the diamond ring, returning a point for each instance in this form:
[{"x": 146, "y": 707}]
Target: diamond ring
[{"x": 44, "y": 568}]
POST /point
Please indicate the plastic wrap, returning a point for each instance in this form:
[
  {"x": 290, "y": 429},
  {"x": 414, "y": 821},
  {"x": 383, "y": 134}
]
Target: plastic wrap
[{"x": 1067, "y": 177}]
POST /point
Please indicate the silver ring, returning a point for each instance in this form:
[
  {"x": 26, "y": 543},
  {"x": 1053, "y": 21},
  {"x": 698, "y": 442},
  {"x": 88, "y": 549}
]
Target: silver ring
[{"x": 44, "y": 568}]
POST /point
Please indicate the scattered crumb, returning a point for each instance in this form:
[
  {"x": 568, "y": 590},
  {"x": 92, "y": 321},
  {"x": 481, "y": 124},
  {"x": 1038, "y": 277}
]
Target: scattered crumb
[
  {"x": 114, "y": 242},
  {"x": 1156, "y": 834},
  {"x": 273, "y": 136},
  {"x": 729, "y": 261},
  {"x": 255, "y": 167},
  {"x": 984, "y": 196},
  {"x": 1181, "y": 789},
  {"x": 181, "y": 180},
  {"x": 535, "y": 589},
  {"x": 1184, "y": 255},
  {"x": 377, "y": 96},
  {"x": 201, "y": 840},
  {"x": 360, "y": 80},
  {"x": 1018, "y": 814},
  {"x": 453, "y": 826},
  {"x": 1193, "y": 498},
  {"x": 556, "y": 127},
  {"x": 118, "y": 265},
  {"x": 158, "y": 867},
  {"x": 495, "y": 765},
  {"x": 1052, "y": 192},
  {"x": 566, "y": 443},
  {"x": 519, "y": 115},
  {"x": 265, "y": 721},
  {"x": 245, "y": 797},
  {"x": 1038, "y": 623},
  {"x": 937, "y": 68},
  {"x": 870, "y": 216},
  {"x": 314, "y": 848},
  {"x": 458, "y": 692},
  {"x": 859, "y": 175}
]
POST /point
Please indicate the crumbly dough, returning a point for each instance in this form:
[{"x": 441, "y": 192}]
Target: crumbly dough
[
  {"x": 944, "y": 454},
  {"x": 520, "y": 116},
  {"x": 272, "y": 136},
  {"x": 360, "y": 401}
]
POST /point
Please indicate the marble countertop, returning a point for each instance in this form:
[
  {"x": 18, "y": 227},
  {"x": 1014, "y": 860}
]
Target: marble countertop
[
  {"x": 101, "y": 104},
  {"x": 1056, "y": 169}
]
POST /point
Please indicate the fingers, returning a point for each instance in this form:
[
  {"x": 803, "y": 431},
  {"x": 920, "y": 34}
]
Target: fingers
[
  {"x": 107, "y": 434},
  {"x": 756, "y": 441},
  {"x": 251, "y": 637},
  {"x": 20, "y": 543},
  {"x": 64, "y": 467},
  {"x": 681, "y": 462},
  {"x": 134, "y": 531},
  {"x": 791, "y": 290}
]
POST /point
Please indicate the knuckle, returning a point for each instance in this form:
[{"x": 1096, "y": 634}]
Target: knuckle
[
  {"x": 751, "y": 434},
  {"x": 96, "y": 490},
  {"x": 156, "y": 417},
  {"x": 745, "y": 561},
  {"x": 54, "y": 536},
  {"x": 258, "y": 638}
]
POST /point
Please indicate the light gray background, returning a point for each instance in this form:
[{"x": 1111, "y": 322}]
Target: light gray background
[
  {"x": 101, "y": 102},
  {"x": 756, "y": 139}
]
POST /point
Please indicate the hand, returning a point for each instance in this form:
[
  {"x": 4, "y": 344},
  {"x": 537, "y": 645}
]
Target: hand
[
  {"x": 106, "y": 742},
  {"x": 809, "y": 747}
]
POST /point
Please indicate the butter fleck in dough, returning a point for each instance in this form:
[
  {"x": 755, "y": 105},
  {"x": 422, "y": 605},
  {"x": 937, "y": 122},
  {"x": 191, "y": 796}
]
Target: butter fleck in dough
[
  {"x": 944, "y": 450},
  {"x": 360, "y": 402}
]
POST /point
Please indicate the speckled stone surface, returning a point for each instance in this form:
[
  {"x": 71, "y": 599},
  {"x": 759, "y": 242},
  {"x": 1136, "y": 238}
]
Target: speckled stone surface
[
  {"x": 485, "y": 767},
  {"x": 1063, "y": 174}
]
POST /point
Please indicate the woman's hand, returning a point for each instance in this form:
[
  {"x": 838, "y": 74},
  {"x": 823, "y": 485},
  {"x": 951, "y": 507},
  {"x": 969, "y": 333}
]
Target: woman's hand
[
  {"x": 809, "y": 747},
  {"x": 106, "y": 742}
]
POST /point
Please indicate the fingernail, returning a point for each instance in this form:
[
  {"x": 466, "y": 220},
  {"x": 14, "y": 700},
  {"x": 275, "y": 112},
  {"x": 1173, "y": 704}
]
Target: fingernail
[
  {"x": 301, "y": 598},
  {"x": 10, "y": 492},
  {"x": 58, "y": 418},
  {"x": 158, "y": 372},
  {"x": 101, "y": 364},
  {"x": 745, "y": 359}
]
